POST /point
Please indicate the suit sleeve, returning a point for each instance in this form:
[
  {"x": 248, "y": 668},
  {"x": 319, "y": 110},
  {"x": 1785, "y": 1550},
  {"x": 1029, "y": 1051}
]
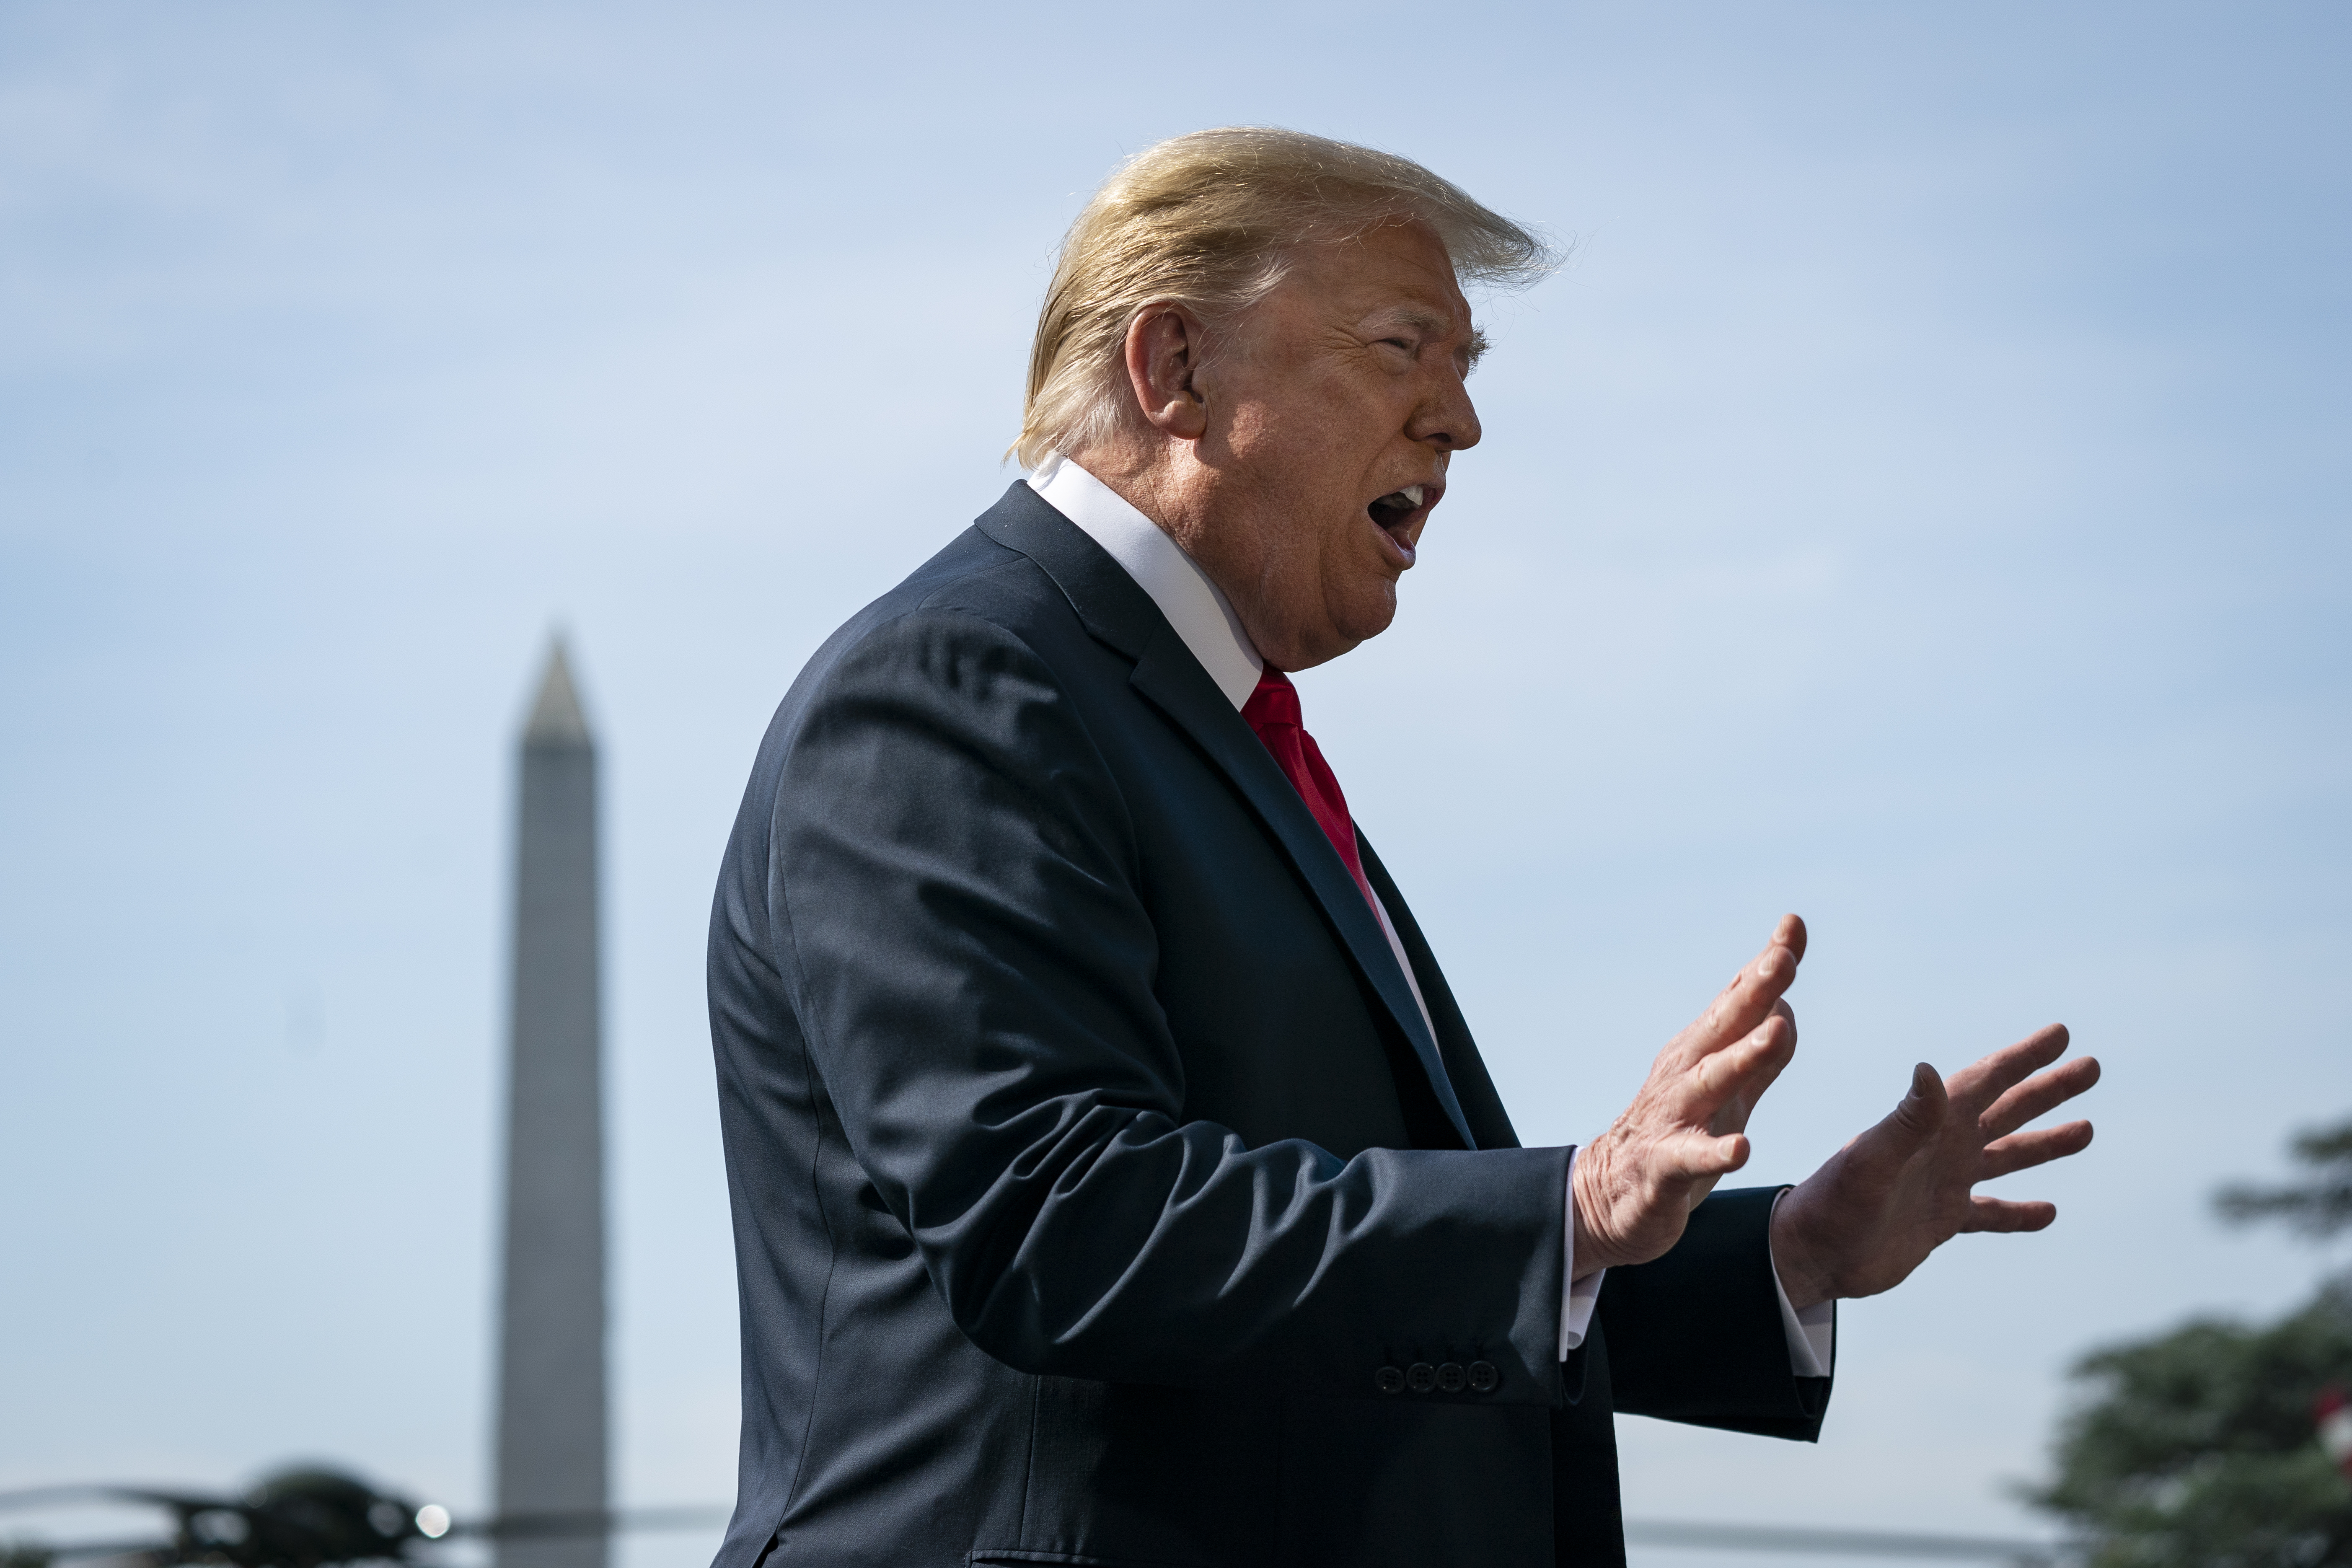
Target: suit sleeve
[
  {"x": 1696, "y": 1336},
  {"x": 954, "y": 883}
]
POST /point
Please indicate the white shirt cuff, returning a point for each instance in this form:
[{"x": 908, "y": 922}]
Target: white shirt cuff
[
  {"x": 1812, "y": 1333},
  {"x": 1577, "y": 1297}
]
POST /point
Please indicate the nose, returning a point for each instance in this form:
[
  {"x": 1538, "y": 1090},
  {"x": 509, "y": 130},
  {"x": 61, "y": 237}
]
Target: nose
[{"x": 1446, "y": 418}]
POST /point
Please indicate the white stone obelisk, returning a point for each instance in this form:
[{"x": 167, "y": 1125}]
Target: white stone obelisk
[{"x": 552, "y": 1440}]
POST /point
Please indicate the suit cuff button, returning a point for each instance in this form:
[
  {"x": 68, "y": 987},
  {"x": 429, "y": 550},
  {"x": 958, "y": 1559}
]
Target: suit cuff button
[
  {"x": 1451, "y": 1378},
  {"x": 1389, "y": 1380},
  {"x": 1420, "y": 1377},
  {"x": 1484, "y": 1377}
]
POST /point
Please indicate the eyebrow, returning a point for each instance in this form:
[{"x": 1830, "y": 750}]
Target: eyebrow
[{"x": 1435, "y": 326}]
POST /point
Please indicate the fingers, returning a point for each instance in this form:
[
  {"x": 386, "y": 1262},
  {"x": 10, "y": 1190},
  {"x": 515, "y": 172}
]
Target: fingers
[
  {"x": 1985, "y": 1080},
  {"x": 1748, "y": 1000},
  {"x": 2002, "y": 1215},
  {"x": 1744, "y": 1070},
  {"x": 1732, "y": 1113},
  {"x": 2026, "y": 1149},
  {"x": 2039, "y": 1095},
  {"x": 1697, "y": 1155},
  {"x": 1790, "y": 933}
]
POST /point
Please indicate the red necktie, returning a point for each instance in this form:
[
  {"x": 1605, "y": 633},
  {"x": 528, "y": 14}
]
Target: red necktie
[{"x": 1273, "y": 711}]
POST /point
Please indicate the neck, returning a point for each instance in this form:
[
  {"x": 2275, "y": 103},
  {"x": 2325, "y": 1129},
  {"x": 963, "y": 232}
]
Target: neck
[
  {"x": 1147, "y": 477},
  {"x": 1167, "y": 484}
]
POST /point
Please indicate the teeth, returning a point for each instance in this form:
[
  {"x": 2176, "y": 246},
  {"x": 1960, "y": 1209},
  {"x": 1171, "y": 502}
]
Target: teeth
[{"x": 1411, "y": 493}]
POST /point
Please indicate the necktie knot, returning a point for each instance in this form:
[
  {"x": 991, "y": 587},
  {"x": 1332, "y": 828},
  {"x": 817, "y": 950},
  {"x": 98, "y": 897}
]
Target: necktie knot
[{"x": 1276, "y": 702}]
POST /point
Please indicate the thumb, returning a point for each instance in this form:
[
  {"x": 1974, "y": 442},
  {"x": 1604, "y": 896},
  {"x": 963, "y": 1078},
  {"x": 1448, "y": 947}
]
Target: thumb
[{"x": 1912, "y": 1122}]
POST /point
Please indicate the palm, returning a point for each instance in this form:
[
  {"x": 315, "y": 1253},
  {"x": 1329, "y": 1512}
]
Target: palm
[
  {"x": 1863, "y": 1222},
  {"x": 1637, "y": 1182}
]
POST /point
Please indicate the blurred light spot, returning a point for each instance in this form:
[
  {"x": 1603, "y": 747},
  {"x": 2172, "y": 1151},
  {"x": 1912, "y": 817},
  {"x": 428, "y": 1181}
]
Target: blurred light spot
[
  {"x": 220, "y": 1527},
  {"x": 433, "y": 1521}
]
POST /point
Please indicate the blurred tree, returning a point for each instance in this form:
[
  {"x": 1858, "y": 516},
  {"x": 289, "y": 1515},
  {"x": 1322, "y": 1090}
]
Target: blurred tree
[
  {"x": 2318, "y": 1208},
  {"x": 2198, "y": 1449}
]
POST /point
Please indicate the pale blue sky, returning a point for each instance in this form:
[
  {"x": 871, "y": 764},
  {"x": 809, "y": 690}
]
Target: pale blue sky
[{"x": 1921, "y": 503}]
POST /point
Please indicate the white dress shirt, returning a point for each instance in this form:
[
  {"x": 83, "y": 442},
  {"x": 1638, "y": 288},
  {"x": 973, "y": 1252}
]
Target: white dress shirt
[{"x": 1199, "y": 612}]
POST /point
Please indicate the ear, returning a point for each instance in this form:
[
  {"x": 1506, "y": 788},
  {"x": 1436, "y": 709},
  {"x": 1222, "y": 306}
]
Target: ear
[{"x": 1163, "y": 355}]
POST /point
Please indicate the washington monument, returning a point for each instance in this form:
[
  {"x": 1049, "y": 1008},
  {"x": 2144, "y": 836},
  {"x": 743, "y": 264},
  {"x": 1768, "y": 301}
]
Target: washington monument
[{"x": 551, "y": 1441}]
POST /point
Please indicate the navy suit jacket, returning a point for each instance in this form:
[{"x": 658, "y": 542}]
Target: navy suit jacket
[{"x": 1096, "y": 1180}]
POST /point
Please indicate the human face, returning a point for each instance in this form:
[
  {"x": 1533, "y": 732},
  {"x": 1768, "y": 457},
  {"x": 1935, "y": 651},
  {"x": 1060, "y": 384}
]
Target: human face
[{"x": 1329, "y": 419}]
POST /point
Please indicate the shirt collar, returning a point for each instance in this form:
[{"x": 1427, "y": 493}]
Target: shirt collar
[{"x": 1194, "y": 607}]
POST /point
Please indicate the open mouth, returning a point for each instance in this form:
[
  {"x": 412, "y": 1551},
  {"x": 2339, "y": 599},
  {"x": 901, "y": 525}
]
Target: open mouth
[{"x": 1392, "y": 509}]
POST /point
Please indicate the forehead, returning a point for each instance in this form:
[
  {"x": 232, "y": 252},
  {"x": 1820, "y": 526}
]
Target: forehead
[{"x": 1399, "y": 269}]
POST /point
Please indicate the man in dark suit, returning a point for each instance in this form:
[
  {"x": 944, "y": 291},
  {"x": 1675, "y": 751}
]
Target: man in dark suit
[{"x": 1115, "y": 1179}]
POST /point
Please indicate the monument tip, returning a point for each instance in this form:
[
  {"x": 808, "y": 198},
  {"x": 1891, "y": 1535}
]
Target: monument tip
[{"x": 555, "y": 717}]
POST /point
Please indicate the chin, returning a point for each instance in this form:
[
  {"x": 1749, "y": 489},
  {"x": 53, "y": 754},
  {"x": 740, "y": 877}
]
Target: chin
[
  {"x": 1374, "y": 616},
  {"x": 1360, "y": 629},
  {"x": 1346, "y": 625}
]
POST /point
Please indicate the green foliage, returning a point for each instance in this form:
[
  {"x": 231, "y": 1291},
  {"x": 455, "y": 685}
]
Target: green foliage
[
  {"x": 2197, "y": 1449},
  {"x": 2319, "y": 1207}
]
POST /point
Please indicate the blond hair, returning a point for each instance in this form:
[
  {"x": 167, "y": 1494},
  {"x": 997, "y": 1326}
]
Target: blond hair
[{"x": 1209, "y": 221}]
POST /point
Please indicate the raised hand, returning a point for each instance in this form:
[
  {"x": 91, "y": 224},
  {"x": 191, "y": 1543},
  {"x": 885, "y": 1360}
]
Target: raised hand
[
  {"x": 1634, "y": 1186},
  {"x": 1864, "y": 1221}
]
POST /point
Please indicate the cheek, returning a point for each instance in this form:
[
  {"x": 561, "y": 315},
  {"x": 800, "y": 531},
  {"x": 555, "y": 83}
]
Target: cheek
[
  {"x": 1358, "y": 581},
  {"x": 1323, "y": 421}
]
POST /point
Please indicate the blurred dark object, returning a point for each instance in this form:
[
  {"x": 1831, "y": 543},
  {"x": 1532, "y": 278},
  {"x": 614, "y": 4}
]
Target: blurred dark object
[
  {"x": 2214, "y": 1444},
  {"x": 297, "y": 1518},
  {"x": 309, "y": 1516}
]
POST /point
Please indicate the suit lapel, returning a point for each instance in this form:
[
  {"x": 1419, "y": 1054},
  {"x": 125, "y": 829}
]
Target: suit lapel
[
  {"x": 1481, "y": 1105},
  {"x": 1115, "y": 609}
]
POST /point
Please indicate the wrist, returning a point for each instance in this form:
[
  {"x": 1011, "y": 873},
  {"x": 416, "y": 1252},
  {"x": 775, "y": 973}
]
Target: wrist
[
  {"x": 1804, "y": 1280},
  {"x": 1590, "y": 1250}
]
